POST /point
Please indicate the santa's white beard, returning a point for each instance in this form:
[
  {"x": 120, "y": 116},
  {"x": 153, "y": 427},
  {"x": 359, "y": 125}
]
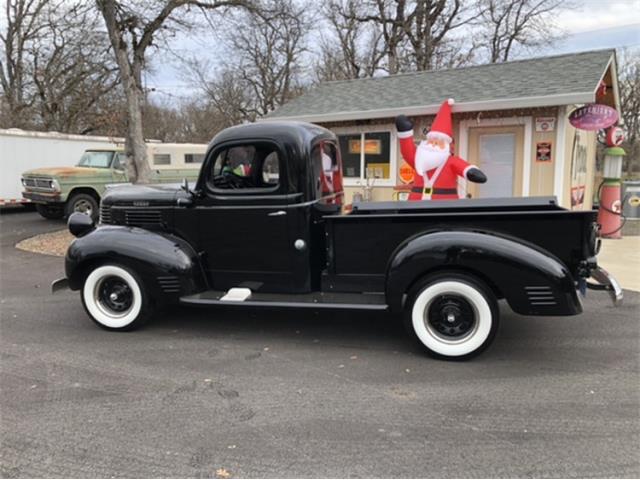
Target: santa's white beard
[{"x": 429, "y": 157}]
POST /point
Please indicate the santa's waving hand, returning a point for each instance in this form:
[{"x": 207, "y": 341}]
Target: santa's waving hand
[{"x": 435, "y": 169}]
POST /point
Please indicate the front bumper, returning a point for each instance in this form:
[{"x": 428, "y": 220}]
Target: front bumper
[
  {"x": 608, "y": 283},
  {"x": 43, "y": 197},
  {"x": 60, "y": 284}
]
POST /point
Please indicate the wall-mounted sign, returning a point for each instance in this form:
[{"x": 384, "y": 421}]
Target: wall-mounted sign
[
  {"x": 405, "y": 172},
  {"x": 593, "y": 117},
  {"x": 545, "y": 124},
  {"x": 543, "y": 152},
  {"x": 371, "y": 146},
  {"x": 577, "y": 197}
]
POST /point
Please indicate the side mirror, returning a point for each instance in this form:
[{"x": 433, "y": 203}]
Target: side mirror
[
  {"x": 188, "y": 201},
  {"x": 80, "y": 223}
]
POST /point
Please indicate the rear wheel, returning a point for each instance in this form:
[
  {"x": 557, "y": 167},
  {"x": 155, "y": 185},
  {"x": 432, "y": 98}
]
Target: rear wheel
[
  {"x": 50, "y": 212},
  {"x": 115, "y": 299},
  {"x": 452, "y": 316},
  {"x": 83, "y": 203}
]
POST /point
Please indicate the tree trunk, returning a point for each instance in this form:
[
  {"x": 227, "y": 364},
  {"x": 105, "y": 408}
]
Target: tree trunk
[{"x": 138, "y": 169}]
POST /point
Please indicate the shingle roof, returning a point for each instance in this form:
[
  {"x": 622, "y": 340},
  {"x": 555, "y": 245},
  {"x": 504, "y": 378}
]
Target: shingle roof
[{"x": 555, "y": 80}]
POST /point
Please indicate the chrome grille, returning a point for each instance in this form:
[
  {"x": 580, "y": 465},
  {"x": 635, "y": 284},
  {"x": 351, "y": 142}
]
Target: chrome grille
[
  {"x": 42, "y": 183},
  {"x": 169, "y": 284},
  {"x": 540, "y": 295},
  {"x": 105, "y": 214},
  {"x": 143, "y": 218}
]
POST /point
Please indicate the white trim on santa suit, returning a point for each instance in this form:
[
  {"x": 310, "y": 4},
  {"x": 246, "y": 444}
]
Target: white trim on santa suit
[{"x": 429, "y": 182}]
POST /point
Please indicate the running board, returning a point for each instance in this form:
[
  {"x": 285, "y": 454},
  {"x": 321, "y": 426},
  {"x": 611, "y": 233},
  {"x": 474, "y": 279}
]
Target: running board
[{"x": 316, "y": 300}]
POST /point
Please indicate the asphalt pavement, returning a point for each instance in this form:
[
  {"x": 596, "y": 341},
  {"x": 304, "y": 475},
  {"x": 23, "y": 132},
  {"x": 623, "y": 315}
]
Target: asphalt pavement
[{"x": 206, "y": 393}]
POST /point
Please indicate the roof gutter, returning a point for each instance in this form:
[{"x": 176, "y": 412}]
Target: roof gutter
[{"x": 483, "y": 105}]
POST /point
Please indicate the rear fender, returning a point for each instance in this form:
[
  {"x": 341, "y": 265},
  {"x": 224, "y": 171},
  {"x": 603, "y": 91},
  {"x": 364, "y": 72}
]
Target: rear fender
[
  {"x": 532, "y": 280},
  {"x": 168, "y": 265}
]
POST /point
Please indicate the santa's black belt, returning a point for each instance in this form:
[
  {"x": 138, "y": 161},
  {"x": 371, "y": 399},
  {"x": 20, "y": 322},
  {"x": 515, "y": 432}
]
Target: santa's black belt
[{"x": 435, "y": 191}]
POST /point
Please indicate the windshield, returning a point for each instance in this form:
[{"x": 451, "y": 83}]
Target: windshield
[{"x": 95, "y": 159}]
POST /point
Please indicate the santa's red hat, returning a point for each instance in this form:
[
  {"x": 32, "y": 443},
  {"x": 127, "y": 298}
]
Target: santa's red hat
[{"x": 442, "y": 126}]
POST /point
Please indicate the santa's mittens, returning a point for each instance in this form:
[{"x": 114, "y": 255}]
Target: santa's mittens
[
  {"x": 403, "y": 124},
  {"x": 475, "y": 175}
]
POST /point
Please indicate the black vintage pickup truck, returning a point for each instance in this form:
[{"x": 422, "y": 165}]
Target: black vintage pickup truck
[{"x": 265, "y": 226}]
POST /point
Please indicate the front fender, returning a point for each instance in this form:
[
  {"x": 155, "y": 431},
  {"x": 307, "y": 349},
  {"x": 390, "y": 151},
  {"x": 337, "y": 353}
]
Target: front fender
[
  {"x": 168, "y": 265},
  {"x": 532, "y": 280}
]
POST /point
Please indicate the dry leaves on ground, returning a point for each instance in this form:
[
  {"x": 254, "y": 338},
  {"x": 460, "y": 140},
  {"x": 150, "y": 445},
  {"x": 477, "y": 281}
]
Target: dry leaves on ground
[
  {"x": 54, "y": 243},
  {"x": 222, "y": 473}
]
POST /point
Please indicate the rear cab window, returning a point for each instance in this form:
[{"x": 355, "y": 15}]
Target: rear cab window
[{"x": 327, "y": 174}]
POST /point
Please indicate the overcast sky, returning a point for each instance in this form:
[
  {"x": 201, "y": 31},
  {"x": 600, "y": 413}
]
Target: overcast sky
[{"x": 593, "y": 24}]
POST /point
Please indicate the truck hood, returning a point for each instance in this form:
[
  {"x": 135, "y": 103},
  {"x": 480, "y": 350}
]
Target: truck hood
[
  {"x": 63, "y": 172},
  {"x": 142, "y": 195}
]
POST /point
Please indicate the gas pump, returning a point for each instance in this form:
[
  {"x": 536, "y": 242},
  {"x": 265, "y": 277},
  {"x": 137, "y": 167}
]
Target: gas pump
[{"x": 610, "y": 211}]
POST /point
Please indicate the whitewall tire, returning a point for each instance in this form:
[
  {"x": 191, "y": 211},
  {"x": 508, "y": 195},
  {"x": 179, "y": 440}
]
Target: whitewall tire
[
  {"x": 114, "y": 298},
  {"x": 452, "y": 316}
]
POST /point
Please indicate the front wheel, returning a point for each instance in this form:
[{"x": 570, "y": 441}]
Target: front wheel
[
  {"x": 453, "y": 316},
  {"x": 115, "y": 299},
  {"x": 83, "y": 203}
]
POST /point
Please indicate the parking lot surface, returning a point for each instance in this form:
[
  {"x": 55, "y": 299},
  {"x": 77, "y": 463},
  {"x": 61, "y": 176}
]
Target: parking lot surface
[{"x": 206, "y": 393}]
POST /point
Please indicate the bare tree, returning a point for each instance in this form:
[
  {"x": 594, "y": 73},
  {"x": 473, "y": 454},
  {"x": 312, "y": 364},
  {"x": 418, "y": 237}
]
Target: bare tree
[
  {"x": 133, "y": 28},
  {"x": 263, "y": 62},
  {"x": 507, "y": 24},
  {"x": 57, "y": 72},
  {"x": 73, "y": 72},
  {"x": 224, "y": 92},
  {"x": 350, "y": 49},
  {"x": 24, "y": 23},
  {"x": 629, "y": 82},
  {"x": 266, "y": 47},
  {"x": 417, "y": 34}
]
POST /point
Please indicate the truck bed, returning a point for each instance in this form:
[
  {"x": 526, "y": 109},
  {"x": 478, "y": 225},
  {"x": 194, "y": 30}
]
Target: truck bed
[
  {"x": 361, "y": 243},
  {"x": 463, "y": 205}
]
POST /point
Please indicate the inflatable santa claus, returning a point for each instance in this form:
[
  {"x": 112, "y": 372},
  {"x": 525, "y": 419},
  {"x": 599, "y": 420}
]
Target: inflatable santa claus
[{"x": 436, "y": 170}]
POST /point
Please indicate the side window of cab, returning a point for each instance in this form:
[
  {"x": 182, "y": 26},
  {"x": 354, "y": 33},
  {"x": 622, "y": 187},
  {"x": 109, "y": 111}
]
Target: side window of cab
[
  {"x": 119, "y": 161},
  {"x": 248, "y": 168}
]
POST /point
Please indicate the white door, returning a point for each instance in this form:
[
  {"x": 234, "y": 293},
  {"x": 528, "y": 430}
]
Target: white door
[{"x": 498, "y": 152}]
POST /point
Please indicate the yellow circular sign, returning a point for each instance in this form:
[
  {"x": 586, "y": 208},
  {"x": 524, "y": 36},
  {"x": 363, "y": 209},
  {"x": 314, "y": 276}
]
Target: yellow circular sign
[
  {"x": 634, "y": 201},
  {"x": 405, "y": 172}
]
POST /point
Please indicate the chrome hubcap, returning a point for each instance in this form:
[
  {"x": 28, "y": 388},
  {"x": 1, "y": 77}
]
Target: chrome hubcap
[
  {"x": 83, "y": 206},
  {"x": 451, "y": 318},
  {"x": 113, "y": 296}
]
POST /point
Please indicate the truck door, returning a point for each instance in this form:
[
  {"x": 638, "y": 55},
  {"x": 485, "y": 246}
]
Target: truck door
[
  {"x": 118, "y": 168},
  {"x": 242, "y": 218}
]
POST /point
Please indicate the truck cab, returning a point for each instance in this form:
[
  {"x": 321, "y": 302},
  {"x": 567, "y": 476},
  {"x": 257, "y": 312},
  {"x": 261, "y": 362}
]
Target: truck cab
[
  {"x": 256, "y": 212},
  {"x": 265, "y": 226}
]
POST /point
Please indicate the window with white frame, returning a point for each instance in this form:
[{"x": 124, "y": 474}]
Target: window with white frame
[{"x": 367, "y": 154}]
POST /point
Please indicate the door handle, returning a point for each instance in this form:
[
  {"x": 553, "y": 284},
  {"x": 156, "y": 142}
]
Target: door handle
[{"x": 279, "y": 213}]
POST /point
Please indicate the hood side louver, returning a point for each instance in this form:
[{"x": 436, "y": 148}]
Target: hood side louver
[{"x": 143, "y": 218}]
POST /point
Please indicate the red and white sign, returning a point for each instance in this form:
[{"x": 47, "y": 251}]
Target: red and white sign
[
  {"x": 593, "y": 117},
  {"x": 545, "y": 124},
  {"x": 615, "y": 137}
]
